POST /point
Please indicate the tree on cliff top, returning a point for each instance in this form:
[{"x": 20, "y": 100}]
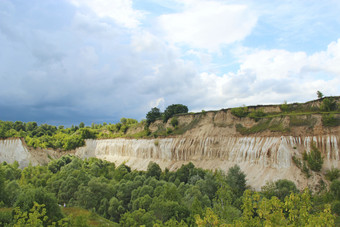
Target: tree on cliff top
[
  {"x": 174, "y": 109},
  {"x": 152, "y": 115}
]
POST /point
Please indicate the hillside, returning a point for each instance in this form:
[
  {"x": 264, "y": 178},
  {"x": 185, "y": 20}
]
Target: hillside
[{"x": 262, "y": 140}]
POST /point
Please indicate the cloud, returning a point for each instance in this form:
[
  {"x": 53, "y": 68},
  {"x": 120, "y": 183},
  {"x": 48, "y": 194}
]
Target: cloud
[
  {"x": 120, "y": 11},
  {"x": 91, "y": 68},
  {"x": 208, "y": 24}
]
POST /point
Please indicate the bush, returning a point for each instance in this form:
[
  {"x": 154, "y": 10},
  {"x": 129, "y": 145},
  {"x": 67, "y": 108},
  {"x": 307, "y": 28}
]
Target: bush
[
  {"x": 168, "y": 131},
  {"x": 174, "y": 121},
  {"x": 329, "y": 120},
  {"x": 332, "y": 174},
  {"x": 336, "y": 207},
  {"x": 314, "y": 159},
  {"x": 257, "y": 114},
  {"x": 335, "y": 189},
  {"x": 240, "y": 111},
  {"x": 284, "y": 107},
  {"x": 328, "y": 104}
]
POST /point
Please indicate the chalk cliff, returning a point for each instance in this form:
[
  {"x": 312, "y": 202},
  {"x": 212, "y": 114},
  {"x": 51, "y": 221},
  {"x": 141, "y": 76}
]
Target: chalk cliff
[
  {"x": 15, "y": 149},
  {"x": 261, "y": 158}
]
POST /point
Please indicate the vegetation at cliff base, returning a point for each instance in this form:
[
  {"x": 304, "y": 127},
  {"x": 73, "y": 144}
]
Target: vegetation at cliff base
[{"x": 92, "y": 192}]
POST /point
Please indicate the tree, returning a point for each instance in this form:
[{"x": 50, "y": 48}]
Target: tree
[
  {"x": 328, "y": 104},
  {"x": 153, "y": 115},
  {"x": 154, "y": 170},
  {"x": 81, "y": 125},
  {"x": 319, "y": 94},
  {"x": 314, "y": 159},
  {"x": 236, "y": 179},
  {"x": 28, "y": 197},
  {"x": 280, "y": 188},
  {"x": 174, "y": 109},
  {"x": 35, "y": 217}
]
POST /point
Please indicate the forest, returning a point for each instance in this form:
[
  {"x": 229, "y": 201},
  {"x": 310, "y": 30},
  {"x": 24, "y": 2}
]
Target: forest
[{"x": 92, "y": 192}]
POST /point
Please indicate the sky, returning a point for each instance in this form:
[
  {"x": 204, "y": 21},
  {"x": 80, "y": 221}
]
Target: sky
[{"x": 63, "y": 62}]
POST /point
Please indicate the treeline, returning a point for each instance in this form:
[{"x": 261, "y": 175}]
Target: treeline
[
  {"x": 189, "y": 196},
  {"x": 49, "y": 136}
]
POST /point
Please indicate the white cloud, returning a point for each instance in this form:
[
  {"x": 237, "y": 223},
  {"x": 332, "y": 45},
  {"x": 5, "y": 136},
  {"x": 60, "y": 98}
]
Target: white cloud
[
  {"x": 120, "y": 11},
  {"x": 157, "y": 103},
  {"x": 208, "y": 24}
]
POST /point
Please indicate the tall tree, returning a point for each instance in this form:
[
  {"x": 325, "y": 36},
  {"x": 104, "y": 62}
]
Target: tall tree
[{"x": 152, "y": 115}]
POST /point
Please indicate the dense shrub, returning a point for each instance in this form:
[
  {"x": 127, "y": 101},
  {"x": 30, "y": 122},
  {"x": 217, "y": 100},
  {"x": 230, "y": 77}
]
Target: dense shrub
[
  {"x": 314, "y": 159},
  {"x": 257, "y": 114},
  {"x": 332, "y": 174},
  {"x": 240, "y": 111},
  {"x": 330, "y": 120},
  {"x": 328, "y": 104}
]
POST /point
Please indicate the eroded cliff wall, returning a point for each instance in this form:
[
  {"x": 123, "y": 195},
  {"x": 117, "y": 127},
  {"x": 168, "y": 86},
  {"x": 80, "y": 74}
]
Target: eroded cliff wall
[
  {"x": 261, "y": 158},
  {"x": 15, "y": 149}
]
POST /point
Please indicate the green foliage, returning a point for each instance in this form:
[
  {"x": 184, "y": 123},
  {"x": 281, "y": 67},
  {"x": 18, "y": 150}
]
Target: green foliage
[
  {"x": 240, "y": 111},
  {"x": 153, "y": 115},
  {"x": 153, "y": 170},
  {"x": 284, "y": 107},
  {"x": 6, "y": 216},
  {"x": 280, "y": 188},
  {"x": 186, "y": 197},
  {"x": 174, "y": 122},
  {"x": 174, "y": 109},
  {"x": 236, "y": 179},
  {"x": 36, "y": 216},
  {"x": 332, "y": 174},
  {"x": 257, "y": 114},
  {"x": 28, "y": 198},
  {"x": 336, "y": 207},
  {"x": 87, "y": 133},
  {"x": 335, "y": 189},
  {"x": 73, "y": 142},
  {"x": 328, "y": 104},
  {"x": 294, "y": 211},
  {"x": 319, "y": 94},
  {"x": 314, "y": 159},
  {"x": 329, "y": 120},
  {"x": 302, "y": 121}
]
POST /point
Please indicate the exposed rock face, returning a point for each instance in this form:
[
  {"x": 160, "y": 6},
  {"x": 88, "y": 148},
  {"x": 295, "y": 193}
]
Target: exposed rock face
[
  {"x": 261, "y": 158},
  {"x": 15, "y": 149}
]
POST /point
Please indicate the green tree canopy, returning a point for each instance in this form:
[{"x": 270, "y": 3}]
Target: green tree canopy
[
  {"x": 153, "y": 115},
  {"x": 174, "y": 109}
]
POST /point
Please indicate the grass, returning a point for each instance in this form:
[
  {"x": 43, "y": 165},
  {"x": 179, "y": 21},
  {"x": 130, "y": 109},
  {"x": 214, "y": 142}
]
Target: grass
[
  {"x": 329, "y": 120},
  {"x": 181, "y": 130},
  {"x": 262, "y": 125},
  {"x": 302, "y": 121},
  {"x": 93, "y": 219}
]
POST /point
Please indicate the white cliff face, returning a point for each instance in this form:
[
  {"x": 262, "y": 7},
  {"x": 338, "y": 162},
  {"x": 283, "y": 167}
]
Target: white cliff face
[
  {"x": 13, "y": 150},
  {"x": 261, "y": 158},
  {"x": 273, "y": 152}
]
